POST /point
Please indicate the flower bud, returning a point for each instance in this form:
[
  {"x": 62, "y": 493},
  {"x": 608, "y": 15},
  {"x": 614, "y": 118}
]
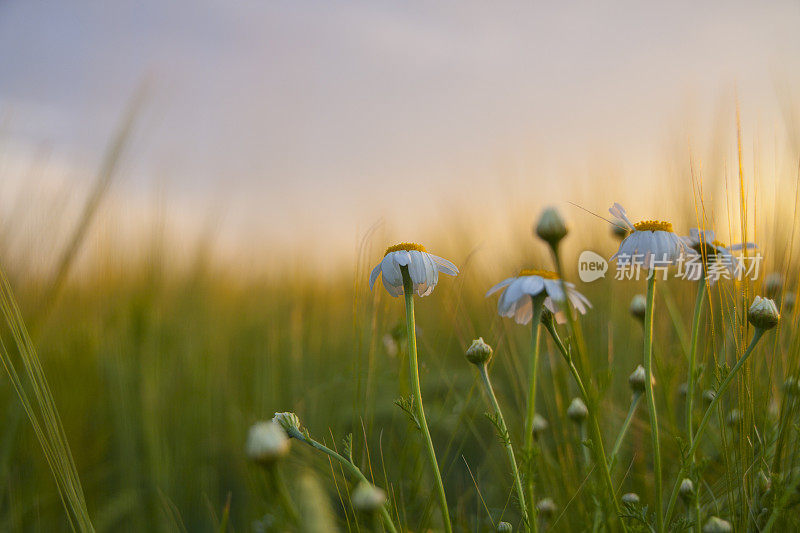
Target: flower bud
[
  {"x": 266, "y": 443},
  {"x": 539, "y": 425},
  {"x": 717, "y": 525},
  {"x": 367, "y": 497},
  {"x": 709, "y": 395},
  {"x": 686, "y": 490},
  {"x": 773, "y": 283},
  {"x": 288, "y": 421},
  {"x": 638, "y": 307},
  {"x": 546, "y": 507},
  {"x": 479, "y": 353},
  {"x": 619, "y": 229},
  {"x": 504, "y": 527},
  {"x": 551, "y": 227},
  {"x": 763, "y": 314},
  {"x": 638, "y": 380},
  {"x": 683, "y": 389},
  {"x": 631, "y": 498},
  {"x": 577, "y": 411}
]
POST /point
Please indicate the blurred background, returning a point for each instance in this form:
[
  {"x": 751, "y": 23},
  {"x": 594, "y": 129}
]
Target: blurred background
[{"x": 192, "y": 195}]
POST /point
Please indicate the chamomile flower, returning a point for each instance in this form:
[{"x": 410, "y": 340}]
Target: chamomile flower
[
  {"x": 423, "y": 268},
  {"x": 516, "y": 300},
  {"x": 706, "y": 246},
  {"x": 651, "y": 241}
]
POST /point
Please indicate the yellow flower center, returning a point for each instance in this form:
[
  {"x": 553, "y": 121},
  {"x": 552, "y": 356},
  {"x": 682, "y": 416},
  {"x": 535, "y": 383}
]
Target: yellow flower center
[
  {"x": 719, "y": 244},
  {"x": 653, "y": 225},
  {"x": 407, "y": 246},
  {"x": 546, "y": 274}
]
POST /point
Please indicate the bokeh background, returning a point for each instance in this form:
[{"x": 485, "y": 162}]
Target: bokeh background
[{"x": 192, "y": 195}]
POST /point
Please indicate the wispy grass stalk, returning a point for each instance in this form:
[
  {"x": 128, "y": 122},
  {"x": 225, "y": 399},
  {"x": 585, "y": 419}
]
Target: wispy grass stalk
[
  {"x": 41, "y": 411},
  {"x": 528, "y": 442},
  {"x": 612, "y": 460}
]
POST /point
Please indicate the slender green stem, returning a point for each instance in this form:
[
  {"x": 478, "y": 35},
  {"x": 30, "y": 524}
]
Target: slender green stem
[
  {"x": 651, "y": 403},
  {"x": 528, "y": 511},
  {"x": 283, "y": 493},
  {"x": 690, "y": 380},
  {"x": 350, "y": 467},
  {"x": 528, "y": 442},
  {"x": 691, "y": 386},
  {"x": 711, "y": 409},
  {"x": 594, "y": 425},
  {"x": 624, "y": 429},
  {"x": 408, "y": 291}
]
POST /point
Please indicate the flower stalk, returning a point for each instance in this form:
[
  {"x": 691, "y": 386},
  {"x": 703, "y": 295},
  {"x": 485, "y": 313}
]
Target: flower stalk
[
  {"x": 651, "y": 403},
  {"x": 529, "y": 441},
  {"x": 408, "y": 291},
  {"x": 526, "y": 507},
  {"x": 354, "y": 471}
]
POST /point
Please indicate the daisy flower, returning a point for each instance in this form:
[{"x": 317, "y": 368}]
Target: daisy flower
[
  {"x": 706, "y": 246},
  {"x": 516, "y": 300},
  {"x": 651, "y": 240},
  {"x": 423, "y": 268}
]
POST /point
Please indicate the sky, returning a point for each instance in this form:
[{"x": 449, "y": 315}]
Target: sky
[{"x": 302, "y": 124}]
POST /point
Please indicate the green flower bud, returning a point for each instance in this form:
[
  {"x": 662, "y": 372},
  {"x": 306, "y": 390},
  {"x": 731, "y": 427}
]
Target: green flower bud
[
  {"x": 631, "y": 498},
  {"x": 546, "y": 507},
  {"x": 686, "y": 490},
  {"x": 266, "y": 443},
  {"x": 367, "y": 497},
  {"x": 577, "y": 411},
  {"x": 709, "y": 395},
  {"x": 504, "y": 527},
  {"x": 539, "y": 425},
  {"x": 288, "y": 421},
  {"x": 551, "y": 227},
  {"x": 763, "y": 313},
  {"x": 619, "y": 229},
  {"x": 479, "y": 353},
  {"x": 717, "y": 525},
  {"x": 638, "y": 380},
  {"x": 638, "y": 307}
]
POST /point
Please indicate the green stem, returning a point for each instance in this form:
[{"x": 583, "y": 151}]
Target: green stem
[
  {"x": 690, "y": 381},
  {"x": 528, "y": 442},
  {"x": 408, "y": 291},
  {"x": 624, "y": 429},
  {"x": 709, "y": 410},
  {"x": 691, "y": 385},
  {"x": 350, "y": 467},
  {"x": 594, "y": 425},
  {"x": 529, "y": 513},
  {"x": 651, "y": 403}
]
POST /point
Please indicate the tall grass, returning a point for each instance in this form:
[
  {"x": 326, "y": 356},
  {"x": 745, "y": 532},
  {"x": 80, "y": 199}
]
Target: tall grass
[{"x": 157, "y": 374}]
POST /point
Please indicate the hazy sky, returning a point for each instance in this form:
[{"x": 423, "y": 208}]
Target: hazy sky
[{"x": 297, "y": 118}]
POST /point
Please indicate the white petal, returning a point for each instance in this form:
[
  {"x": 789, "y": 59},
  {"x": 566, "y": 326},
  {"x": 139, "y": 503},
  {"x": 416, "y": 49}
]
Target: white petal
[
  {"x": 444, "y": 265},
  {"x": 618, "y": 211},
  {"x": 553, "y": 288},
  {"x": 499, "y": 286},
  {"x": 374, "y": 275}
]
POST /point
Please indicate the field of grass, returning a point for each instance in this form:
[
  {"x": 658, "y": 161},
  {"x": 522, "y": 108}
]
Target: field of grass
[{"x": 157, "y": 377}]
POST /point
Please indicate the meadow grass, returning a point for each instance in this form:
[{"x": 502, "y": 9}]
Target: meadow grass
[{"x": 155, "y": 377}]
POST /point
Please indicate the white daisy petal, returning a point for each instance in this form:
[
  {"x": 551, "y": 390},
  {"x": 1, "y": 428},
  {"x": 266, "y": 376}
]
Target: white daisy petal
[
  {"x": 374, "y": 275},
  {"x": 499, "y": 286},
  {"x": 444, "y": 265}
]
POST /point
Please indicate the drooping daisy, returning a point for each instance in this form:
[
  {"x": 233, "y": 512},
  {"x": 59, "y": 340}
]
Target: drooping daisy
[
  {"x": 516, "y": 301},
  {"x": 423, "y": 268},
  {"x": 707, "y": 247},
  {"x": 651, "y": 241}
]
